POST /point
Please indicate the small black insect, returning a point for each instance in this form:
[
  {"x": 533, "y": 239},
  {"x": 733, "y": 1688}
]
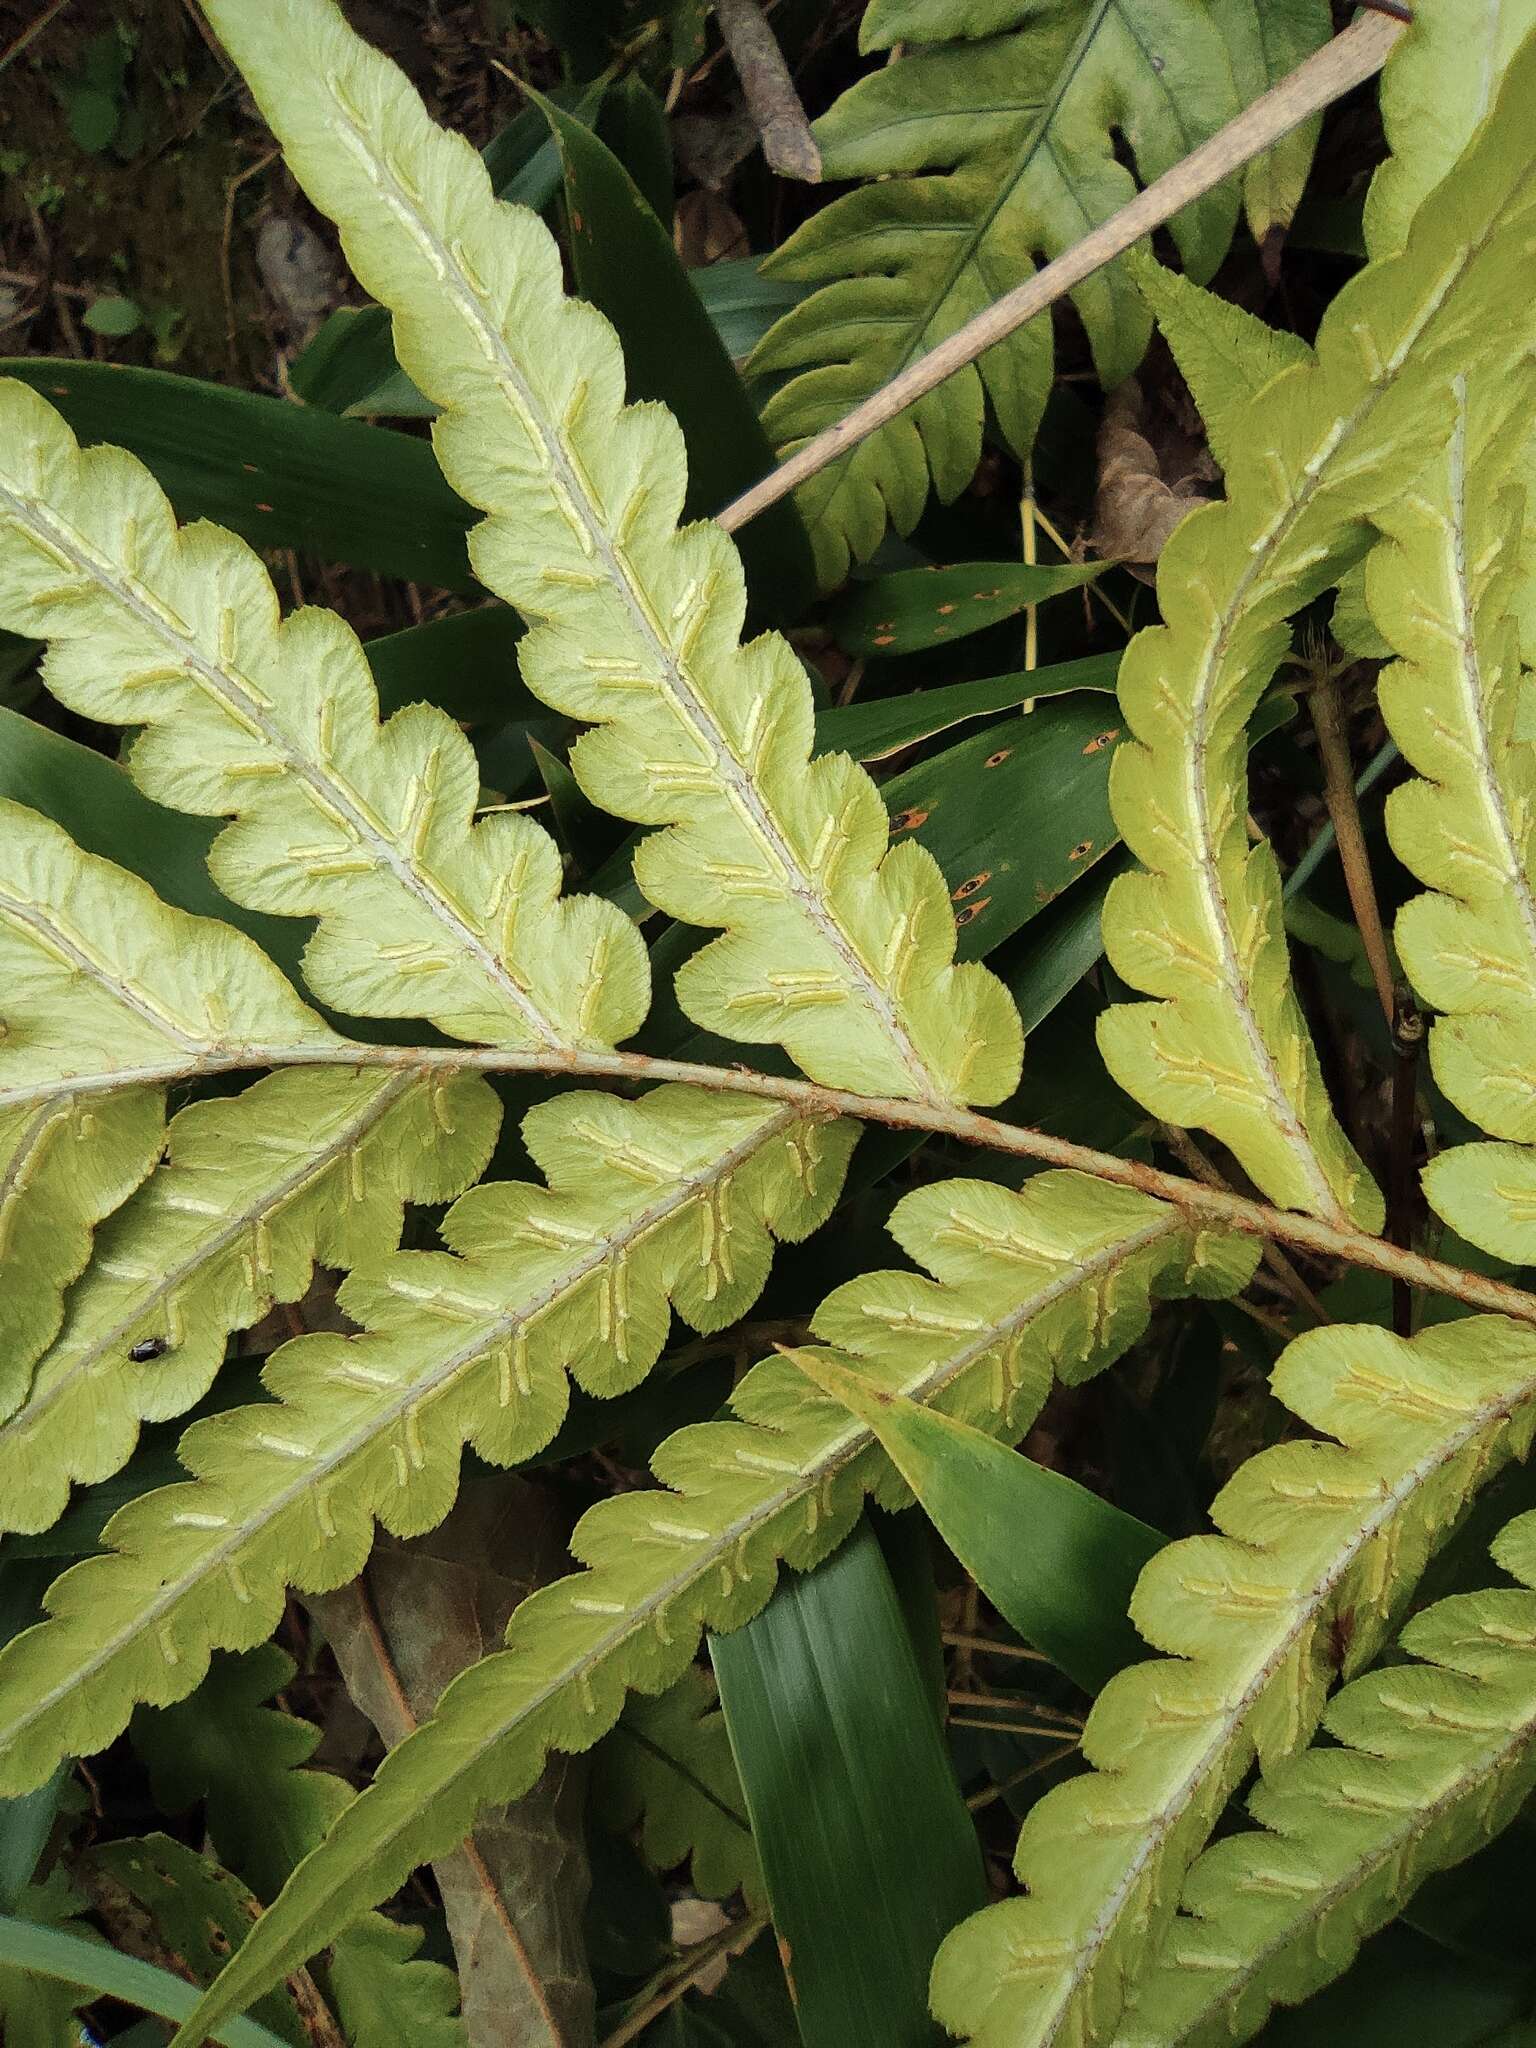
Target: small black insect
[{"x": 151, "y": 1347}]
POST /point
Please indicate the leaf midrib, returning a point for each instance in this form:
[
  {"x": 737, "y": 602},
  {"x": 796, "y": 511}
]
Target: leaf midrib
[
  {"x": 691, "y": 704},
  {"x": 404, "y": 1399},
  {"x": 249, "y": 706}
]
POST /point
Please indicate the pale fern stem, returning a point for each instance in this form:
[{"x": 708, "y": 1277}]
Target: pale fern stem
[
  {"x": 60, "y": 1371},
  {"x": 250, "y": 708},
  {"x": 569, "y": 482},
  {"x": 316, "y": 1472},
  {"x": 968, "y": 1127}
]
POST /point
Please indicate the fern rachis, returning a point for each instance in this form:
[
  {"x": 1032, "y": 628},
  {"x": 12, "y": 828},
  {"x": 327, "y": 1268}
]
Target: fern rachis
[
  {"x": 366, "y": 826},
  {"x": 834, "y": 947}
]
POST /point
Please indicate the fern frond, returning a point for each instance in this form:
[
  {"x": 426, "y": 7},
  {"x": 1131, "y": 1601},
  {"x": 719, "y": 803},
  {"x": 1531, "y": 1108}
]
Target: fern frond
[
  {"x": 669, "y": 1199},
  {"x": 1437, "y": 86},
  {"x": 65, "y": 1164},
  {"x": 1225, "y": 1047},
  {"x": 668, "y": 1769},
  {"x": 979, "y": 157},
  {"x": 1442, "y": 591},
  {"x": 245, "y": 1763},
  {"x": 835, "y": 948},
  {"x": 105, "y": 993},
  {"x": 1311, "y": 1531},
  {"x": 1434, "y": 1759},
  {"x": 366, "y": 827},
  {"x": 308, "y": 1166},
  {"x": 1057, "y": 1277},
  {"x": 103, "y": 987},
  {"x": 1266, "y": 40}
]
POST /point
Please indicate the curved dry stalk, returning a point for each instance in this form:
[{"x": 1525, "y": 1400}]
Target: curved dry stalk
[
  {"x": 1211, "y": 1205},
  {"x": 1345, "y": 62}
]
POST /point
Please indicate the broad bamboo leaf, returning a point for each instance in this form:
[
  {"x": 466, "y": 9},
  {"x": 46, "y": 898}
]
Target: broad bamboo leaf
[
  {"x": 851, "y": 1792},
  {"x": 875, "y": 727},
  {"x": 1057, "y": 1563},
  {"x": 910, "y": 611}
]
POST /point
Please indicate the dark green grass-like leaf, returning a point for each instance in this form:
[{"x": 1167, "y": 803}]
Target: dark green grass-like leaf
[
  {"x": 283, "y": 476},
  {"x": 1057, "y": 1563},
  {"x": 867, "y": 1848}
]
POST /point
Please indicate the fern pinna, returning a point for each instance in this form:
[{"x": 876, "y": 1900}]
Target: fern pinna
[{"x": 134, "y": 1245}]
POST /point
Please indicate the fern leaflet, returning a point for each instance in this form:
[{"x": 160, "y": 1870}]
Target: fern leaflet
[
  {"x": 1442, "y": 595},
  {"x": 107, "y": 994},
  {"x": 1057, "y": 1277},
  {"x": 667, "y": 1768},
  {"x": 1434, "y": 1759},
  {"x": 980, "y": 156},
  {"x": 671, "y": 1199},
  {"x": 366, "y": 827},
  {"x": 1310, "y": 1531},
  {"x": 836, "y": 948},
  {"x": 306, "y": 1166},
  {"x": 1225, "y": 1047}
]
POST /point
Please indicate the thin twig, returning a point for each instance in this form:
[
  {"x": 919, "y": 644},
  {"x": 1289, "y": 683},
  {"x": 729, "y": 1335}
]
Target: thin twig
[
  {"x": 960, "y": 1639},
  {"x": 680, "y": 1977},
  {"x": 980, "y": 1800},
  {"x": 769, "y": 91},
  {"x": 1211, "y": 1206},
  {"x": 1402, "y": 1181},
  {"x": 1328, "y": 722},
  {"x": 14, "y": 48},
  {"x": 1337, "y": 68}
]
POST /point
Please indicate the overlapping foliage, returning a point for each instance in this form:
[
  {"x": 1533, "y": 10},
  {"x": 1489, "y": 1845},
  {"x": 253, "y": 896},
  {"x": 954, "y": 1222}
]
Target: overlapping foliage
[
  {"x": 982, "y": 157},
  {"x": 1401, "y": 438}
]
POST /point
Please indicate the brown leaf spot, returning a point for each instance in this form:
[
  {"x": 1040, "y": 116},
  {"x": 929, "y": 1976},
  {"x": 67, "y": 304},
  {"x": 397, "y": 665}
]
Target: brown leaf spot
[
  {"x": 1082, "y": 850},
  {"x": 884, "y": 639},
  {"x": 945, "y": 610},
  {"x": 996, "y": 760},
  {"x": 909, "y": 820},
  {"x": 971, "y": 911},
  {"x": 1101, "y": 740},
  {"x": 985, "y": 596},
  {"x": 969, "y": 888}
]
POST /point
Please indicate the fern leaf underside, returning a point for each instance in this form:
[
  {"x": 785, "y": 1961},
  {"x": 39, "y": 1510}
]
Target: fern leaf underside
[
  {"x": 670, "y": 1199},
  {"x": 1058, "y": 1277},
  {"x": 1435, "y": 1758},
  {"x": 1225, "y": 1046},
  {"x": 834, "y": 946}
]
